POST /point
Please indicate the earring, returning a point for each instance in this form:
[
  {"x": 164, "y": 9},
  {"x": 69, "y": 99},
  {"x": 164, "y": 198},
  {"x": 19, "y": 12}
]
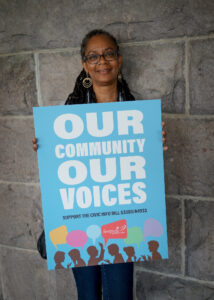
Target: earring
[
  {"x": 87, "y": 82},
  {"x": 119, "y": 76}
]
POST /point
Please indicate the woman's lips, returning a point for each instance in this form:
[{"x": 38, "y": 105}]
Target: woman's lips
[{"x": 104, "y": 71}]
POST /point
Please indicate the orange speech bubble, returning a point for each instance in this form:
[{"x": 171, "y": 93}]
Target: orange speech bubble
[
  {"x": 115, "y": 230},
  {"x": 58, "y": 235}
]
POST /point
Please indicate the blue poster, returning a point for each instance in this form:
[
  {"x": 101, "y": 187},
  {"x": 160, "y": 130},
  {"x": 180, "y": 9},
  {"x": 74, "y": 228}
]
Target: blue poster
[{"x": 102, "y": 183}]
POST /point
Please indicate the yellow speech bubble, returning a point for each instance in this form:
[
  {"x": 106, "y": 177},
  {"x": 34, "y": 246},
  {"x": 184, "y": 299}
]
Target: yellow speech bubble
[{"x": 58, "y": 235}]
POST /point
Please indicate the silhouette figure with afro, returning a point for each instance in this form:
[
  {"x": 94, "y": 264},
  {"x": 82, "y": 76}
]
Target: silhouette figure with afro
[{"x": 93, "y": 253}]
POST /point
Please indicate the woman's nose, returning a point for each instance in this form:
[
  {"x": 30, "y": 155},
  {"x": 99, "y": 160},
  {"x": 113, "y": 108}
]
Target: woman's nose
[{"x": 102, "y": 59}]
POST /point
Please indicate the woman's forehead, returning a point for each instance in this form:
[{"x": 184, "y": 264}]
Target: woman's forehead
[{"x": 100, "y": 43}]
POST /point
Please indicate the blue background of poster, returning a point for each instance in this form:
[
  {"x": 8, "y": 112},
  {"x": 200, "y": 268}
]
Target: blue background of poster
[{"x": 53, "y": 209}]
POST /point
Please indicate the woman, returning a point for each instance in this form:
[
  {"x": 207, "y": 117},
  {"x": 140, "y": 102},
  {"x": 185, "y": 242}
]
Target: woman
[{"x": 101, "y": 81}]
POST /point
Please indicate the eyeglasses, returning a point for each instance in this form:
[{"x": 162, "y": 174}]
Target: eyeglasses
[{"x": 108, "y": 55}]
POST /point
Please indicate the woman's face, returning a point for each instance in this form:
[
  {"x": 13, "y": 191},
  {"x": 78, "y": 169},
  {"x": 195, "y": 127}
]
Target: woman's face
[{"x": 104, "y": 72}]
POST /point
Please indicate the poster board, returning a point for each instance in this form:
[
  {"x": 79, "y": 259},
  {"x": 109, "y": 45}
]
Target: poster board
[{"x": 102, "y": 183}]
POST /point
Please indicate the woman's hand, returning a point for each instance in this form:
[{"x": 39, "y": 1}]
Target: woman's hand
[
  {"x": 35, "y": 146},
  {"x": 164, "y": 137}
]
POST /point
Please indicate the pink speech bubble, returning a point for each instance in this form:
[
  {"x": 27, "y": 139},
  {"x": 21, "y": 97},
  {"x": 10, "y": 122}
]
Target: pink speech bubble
[
  {"x": 76, "y": 238},
  {"x": 115, "y": 230},
  {"x": 152, "y": 227}
]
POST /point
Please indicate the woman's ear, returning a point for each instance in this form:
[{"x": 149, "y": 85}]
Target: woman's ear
[
  {"x": 120, "y": 61},
  {"x": 84, "y": 66}
]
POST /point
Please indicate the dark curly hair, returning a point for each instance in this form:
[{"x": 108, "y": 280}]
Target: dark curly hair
[
  {"x": 93, "y": 33},
  {"x": 82, "y": 95}
]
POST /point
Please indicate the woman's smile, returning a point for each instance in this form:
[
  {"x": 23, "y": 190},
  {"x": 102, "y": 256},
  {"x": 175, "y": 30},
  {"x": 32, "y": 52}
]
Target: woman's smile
[{"x": 104, "y": 71}]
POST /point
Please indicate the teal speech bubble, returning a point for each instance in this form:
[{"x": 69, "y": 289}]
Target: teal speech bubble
[{"x": 93, "y": 232}]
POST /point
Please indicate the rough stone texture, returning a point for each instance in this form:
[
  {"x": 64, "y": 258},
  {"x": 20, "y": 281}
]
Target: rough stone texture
[
  {"x": 157, "y": 72},
  {"x": 200, "y": 239},
  {"x": 17, "y": 84},
  {"x": 36, "y": 24},
  {"x": 189, "y": 164},
  {"x": 25, "y": 275},
  {"x": 155, "y": 287},
  {"x": 1, "y": 292},
  {"x": 202, "y": 77},
  {"x": 17, "y": 158},
  {"x": 173, "y": 264},
  {"x": 20, "y": 215},
  {"x": 58, "y": 73},
  {"x": 65, "y": 285},
  {"x": 62, "y": 285}
]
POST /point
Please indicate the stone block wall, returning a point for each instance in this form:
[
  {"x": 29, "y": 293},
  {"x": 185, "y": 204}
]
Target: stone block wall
[{"x": 167, "y": 48}]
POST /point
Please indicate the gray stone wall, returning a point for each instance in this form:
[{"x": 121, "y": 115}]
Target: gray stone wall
[{"x": 167, "y": 48}]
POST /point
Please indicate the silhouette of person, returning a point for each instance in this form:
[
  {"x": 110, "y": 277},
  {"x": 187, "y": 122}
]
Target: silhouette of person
[
  {"x": 77, "y": 260},
  {"x": 153, "y": 247},
  {"x": 113, "y": 250},
  {"x": 130, "y": 252},
  {"x": 93, "y": 253},
  {"x": 59, "y": 258}
]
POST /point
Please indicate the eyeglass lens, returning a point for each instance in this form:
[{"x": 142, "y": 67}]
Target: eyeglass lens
[{"x": 95, "y": 58}]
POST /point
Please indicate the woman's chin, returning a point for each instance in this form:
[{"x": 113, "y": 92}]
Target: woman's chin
[{"x": 105, "y": 80}]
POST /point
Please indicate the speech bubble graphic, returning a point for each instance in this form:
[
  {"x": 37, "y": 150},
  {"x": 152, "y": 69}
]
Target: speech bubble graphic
[
  {"x": 152, "y": 227},
  {"x": 76, "y": 238},
  {"x": 93, "y": 232},
  {"x": 115, "y": 230},
  {"x": 58, "y": 235},
  {"x": 134, "y": 236}
]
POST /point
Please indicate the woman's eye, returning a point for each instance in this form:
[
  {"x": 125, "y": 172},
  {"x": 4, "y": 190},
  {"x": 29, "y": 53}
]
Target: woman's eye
[
  {"x": 109, "y": 54},
  {"x": 92, "y": 57}
]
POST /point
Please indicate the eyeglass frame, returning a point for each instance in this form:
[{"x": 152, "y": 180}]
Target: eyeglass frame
[{"x": 116, "y": 52}]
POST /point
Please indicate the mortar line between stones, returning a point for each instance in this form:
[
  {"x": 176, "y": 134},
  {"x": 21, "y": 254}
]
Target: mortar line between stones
[
  {"x": 152, "y": 42},
  {"x": 186, "y": 278},
  {"x": 186, "y": 67},
  {"x": 18, "y": 248},
  {"x": 40, "y": 51},
  {"x": 20, "y": 183},
  {"x": 168, "y": 40},
  {"x": 183, "y": 239},
  {"x": 184, "y": 116},
  {"x": 37, "y": 73},
  {"x": 201, "y": 37},
  {"x": 149, "y": 42},
  {"x": 24, "y": 117},
  {"x": 189, "y": 197}
]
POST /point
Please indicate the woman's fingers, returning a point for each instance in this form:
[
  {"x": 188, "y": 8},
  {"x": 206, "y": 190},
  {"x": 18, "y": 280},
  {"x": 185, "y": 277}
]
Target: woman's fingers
[
  {"x": 163, "y": 133},
  {"x": 35, "y": 146},
  {"x": 34, "y": 141},
  {"x": 164, "y": 137}
]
